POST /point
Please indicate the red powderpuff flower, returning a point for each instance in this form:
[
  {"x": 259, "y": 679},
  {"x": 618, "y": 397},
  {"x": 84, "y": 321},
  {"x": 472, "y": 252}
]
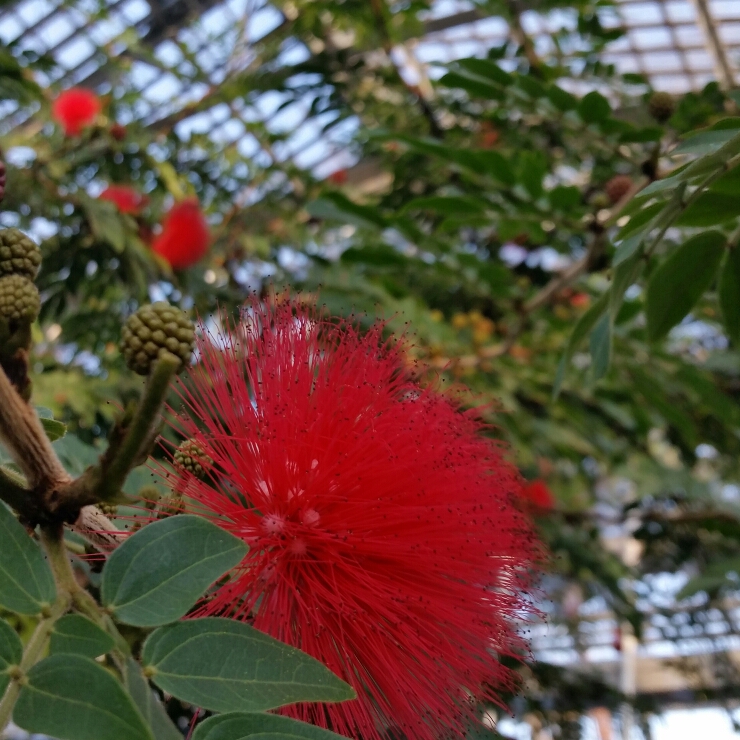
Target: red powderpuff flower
[
  {"x": 74, "y": 109},
  {"x": 185, "y": 237},
  {"x": 127, "y": 199},
  {"x": 538, "y": 496},
  {"x": 385, "y": 537}
]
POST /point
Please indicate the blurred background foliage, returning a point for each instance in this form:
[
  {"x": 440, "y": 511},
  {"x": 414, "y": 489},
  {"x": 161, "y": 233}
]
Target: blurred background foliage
[{"x": 555, "y": 246}]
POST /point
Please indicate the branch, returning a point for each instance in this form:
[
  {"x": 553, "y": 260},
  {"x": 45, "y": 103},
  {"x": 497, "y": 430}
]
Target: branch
[
  {"x": 130, "y": 445},
  {"x": 22, "y": 433},
  {"x": 95, "y": 527},
  {"x": 571, "y": 273},
  {"x": 379, "y": 11}
]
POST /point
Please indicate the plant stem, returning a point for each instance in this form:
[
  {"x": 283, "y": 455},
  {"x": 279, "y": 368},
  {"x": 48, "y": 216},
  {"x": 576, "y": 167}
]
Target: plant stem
[
  {"x": 53, "y": 541},
  {"x": 105, "y": 480},
  {"x": 145, "y": 419},
  {"x": 34, "y": 649},
  {"x": 52, "y": 538}
]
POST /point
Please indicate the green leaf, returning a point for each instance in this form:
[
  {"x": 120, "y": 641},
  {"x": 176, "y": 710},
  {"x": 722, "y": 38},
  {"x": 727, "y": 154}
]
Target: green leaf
[
  {"x": 456, "y": 205},
  {"x": 624, "y": 275},
  {"x": 11, "y": 652},
  {"x": 105, "y": 222},
  {"x": 594, "y": 108},
  {"x": 381, "y": 256},
  {"x": 729, "y": 294},
  {"x": 73, "y": 698},
  {"x": 641, "y": 135},
  {"x": 564, "y": 198},
  {"x": 561, "y": 99},
  {"x": 148, "y": 703},
  {"x": 714, "y": 577},
  {"x": 487, "y": 69},
  {"x": 336, "y": 207},
  {"x": 710, "y": 209},
  {"x": 156, "y": 575},
  {"x": 600, "y": 346},
  {"x": 54, "y": 429},
  {"x": 705, "y": 142},
  {"x": 242, "y": 726},
  {"x": 26, "y": 581},
  {"x": 472, "y": 84},
  {"x": 228, "y": 666},
  {"x": 580, "y": 330},
  {"x": 680, "y": 281},
  {"x": 628, "y": 248},
  {"x": 78, "y": 635}
]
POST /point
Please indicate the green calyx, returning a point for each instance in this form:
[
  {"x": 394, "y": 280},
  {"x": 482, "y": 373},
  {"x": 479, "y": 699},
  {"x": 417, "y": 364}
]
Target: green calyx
[{"x": 154, "y": 330}]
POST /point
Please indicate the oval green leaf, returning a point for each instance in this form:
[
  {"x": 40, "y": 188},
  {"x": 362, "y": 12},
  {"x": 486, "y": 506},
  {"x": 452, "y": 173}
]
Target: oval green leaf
[
  {"x": 11, "y": 652},
  {"x": 228, "y": 666},
  {"x": 680, "y": 281},
  {"x": 729, "y": 295},
  {"x": 243, "y": 726},
  {"x": 155, "y": 576},
  {"x": 26, "y": 581},
  {"x": 77, "y": 635},
  {"x": 73, "y": 698}
]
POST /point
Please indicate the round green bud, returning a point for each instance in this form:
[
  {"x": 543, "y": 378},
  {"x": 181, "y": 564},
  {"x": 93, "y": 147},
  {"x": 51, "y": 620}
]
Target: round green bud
[
  {"x": 19, "y": 299},
  {"x": 171, "y": 505},
  {"x": 190, "y": 456},
  {"x": 154, "y": 330},
  {"x": 661, "y": 106},
  {"x": 19, "y": 254}
]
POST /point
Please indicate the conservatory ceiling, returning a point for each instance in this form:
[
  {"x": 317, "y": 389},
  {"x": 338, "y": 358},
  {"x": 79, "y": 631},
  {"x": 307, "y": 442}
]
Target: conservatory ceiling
[{"x": 678, "y": 44}]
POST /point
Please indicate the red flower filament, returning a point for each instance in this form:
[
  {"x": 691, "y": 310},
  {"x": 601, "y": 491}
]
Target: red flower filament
[
  {"x": 185, "y": 236},
  {"x": 75, "y": 109},
  {"x": 385, "y": 538}
]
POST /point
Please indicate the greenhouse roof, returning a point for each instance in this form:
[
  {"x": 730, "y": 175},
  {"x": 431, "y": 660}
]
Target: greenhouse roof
[{"x": 193, "y": 45}]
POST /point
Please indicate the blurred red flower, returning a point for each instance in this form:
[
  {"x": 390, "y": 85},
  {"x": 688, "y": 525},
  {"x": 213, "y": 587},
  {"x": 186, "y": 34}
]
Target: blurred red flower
[
  {"x": 75, "y": 109},
  {"x": 126, "y": 198},
  {"x": 118, "y": 132},
  {"x": 538, "y": 495},
  {"x": 338, "y": 178},
  {"x": 384, "y": 532},
  {"x": 185, "y": 236},
  {"x": 580, "y": 300}
]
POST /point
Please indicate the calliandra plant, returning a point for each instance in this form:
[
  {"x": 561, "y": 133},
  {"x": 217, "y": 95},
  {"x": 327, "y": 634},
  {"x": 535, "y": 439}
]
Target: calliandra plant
[
  {"x": 384, "y": 533},
  {"x": 76, "y": 677}
]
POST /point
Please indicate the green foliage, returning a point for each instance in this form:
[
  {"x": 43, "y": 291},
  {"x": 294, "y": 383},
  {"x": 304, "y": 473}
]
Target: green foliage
[
  {"x": 74, "y": 698},
  {"x": 11, "y": 652},
  {"x": 243, "y": 726},
  {"x": 228, "y": 666},
  {"x": 77, "y": 635},
  {"x": 156, "y": 575},
  {"x": 678, "y": 283},
  {"x": 26, "y": 581},
  {"x": 148, "y": 703},
  {"x": 597, "y": 385}
]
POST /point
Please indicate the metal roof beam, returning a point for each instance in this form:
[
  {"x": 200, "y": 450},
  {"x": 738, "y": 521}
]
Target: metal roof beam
[{"x": 722, "y": 67}]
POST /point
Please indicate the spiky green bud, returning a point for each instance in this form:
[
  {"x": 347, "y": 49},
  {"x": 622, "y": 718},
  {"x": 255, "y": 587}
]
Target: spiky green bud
[
  {"x": 154, "y": 330},
  {"x": 19, "y": 254}
]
